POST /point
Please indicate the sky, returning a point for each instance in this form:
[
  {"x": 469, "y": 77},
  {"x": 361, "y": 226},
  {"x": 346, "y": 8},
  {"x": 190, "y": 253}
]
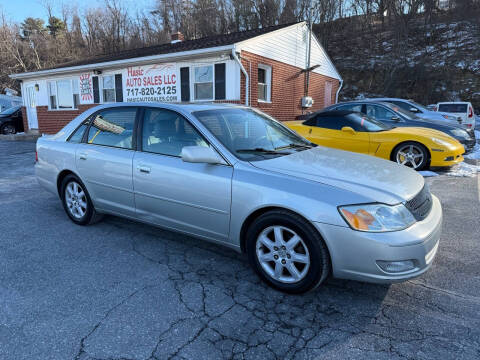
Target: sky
[{"x": 18, "y": 10}]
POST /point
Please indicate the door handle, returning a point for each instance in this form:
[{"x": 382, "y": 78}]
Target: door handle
[
  {"x": 310, "y": 131},
  {"x": 82, "y": 156},
  {"x": 144, "y": 169}
]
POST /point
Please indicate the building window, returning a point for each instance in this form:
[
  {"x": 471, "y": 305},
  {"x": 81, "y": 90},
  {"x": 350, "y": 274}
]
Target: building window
[
  {"x": 203, "y": 82},
  {"x": 52, "y": 92},
  {"x": 108, "y": 88},
  {"x": 63, "y": 94},
  {"x": 264, "y": 83},
  {"x": 76, "y": 93}
]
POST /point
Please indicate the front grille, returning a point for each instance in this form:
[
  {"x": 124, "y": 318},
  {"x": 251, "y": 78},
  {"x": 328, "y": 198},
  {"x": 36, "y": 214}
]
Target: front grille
[{"x": 421, "y": 204}]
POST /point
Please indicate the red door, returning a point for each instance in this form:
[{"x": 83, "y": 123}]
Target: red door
[{"x": 327, "y": 101}]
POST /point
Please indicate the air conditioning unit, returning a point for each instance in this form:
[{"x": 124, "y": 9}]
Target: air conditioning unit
[{"x": 307, "y": 101}]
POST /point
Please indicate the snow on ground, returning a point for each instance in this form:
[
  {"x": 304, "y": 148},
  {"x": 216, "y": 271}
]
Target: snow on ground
[
  {"x": 427, "y": 173},
  {"x": 460, "y": 170},
  {"x": 475, "y": 154}
]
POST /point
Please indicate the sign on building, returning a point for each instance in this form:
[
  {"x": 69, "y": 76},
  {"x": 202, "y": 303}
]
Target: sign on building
[
  {"x": 86, "y": 88},
  {"x": 151, "y": 83}
]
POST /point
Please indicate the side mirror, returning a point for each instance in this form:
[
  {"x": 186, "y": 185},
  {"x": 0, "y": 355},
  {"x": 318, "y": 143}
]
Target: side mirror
[
  {"x": 414, "y": 110},
  {"x": 348, "y": 129},
  {"x": 395, "y": 118},
  {"x": 201, "y": 154}
]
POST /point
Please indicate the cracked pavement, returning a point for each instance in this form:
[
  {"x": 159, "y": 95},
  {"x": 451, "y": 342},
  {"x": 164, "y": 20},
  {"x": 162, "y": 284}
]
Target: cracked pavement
[{"x": 124, "y": 290}]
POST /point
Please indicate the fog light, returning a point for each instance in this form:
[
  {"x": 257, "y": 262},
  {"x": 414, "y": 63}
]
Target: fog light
[
  {"x": 448, "y": 158},
  {"x": 396, "y": 266}
]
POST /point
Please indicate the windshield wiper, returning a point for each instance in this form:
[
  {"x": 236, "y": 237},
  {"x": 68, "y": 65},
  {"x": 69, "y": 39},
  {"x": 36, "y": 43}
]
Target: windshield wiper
[
  {"x": 261, "y": 150},
  {"x": 292, "y": 145}
]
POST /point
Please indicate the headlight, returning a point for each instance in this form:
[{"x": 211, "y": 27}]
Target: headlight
[
  {"x": 460, "y": 133},
  {"x": 377, "y": 217},
  {"x": 441, "y": 142}
]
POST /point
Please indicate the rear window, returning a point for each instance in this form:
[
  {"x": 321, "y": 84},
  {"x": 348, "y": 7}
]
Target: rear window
[{"x": 453, "y": 108}]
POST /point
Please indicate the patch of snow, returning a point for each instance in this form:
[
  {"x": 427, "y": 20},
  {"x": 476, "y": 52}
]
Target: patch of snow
[
  {"x": 475, "y": 154},
  {"x": 427, "y": 173},
  {"x": 463, "y": 170}
]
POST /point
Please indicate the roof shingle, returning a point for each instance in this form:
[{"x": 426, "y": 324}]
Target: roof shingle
[{"x": 187, "y": 45}]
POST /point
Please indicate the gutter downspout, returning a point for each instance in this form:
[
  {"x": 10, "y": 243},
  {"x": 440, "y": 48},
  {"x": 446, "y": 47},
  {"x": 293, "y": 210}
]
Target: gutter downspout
[
  {"x": 338, "y": 91},
  {"x": 247, "y": 79}
]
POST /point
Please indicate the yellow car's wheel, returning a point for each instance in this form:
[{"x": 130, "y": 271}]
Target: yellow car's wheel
[{"x": 411, "y": 154}]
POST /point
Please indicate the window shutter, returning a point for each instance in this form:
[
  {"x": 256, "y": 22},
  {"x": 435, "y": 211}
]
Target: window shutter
[
  {"x": 118, "y": 88},
  {"x": 185, "y": 83},
  {"x": 220, "y": 81},
  {"x": 96, "y": 91}
]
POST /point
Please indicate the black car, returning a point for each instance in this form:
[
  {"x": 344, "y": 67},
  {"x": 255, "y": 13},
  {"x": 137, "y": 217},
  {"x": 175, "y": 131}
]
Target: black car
[
  {"x": 11, "y": 120},
  {"x": 395, "y": 116}
]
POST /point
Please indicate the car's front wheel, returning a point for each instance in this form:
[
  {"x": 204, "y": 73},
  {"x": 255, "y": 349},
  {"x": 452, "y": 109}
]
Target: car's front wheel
[
  {"x": 76, "y": 201},
  {"x": 411, "y": 154},
  {"x": 287, "y": 252},
  {"x": 8, "y": 129}
]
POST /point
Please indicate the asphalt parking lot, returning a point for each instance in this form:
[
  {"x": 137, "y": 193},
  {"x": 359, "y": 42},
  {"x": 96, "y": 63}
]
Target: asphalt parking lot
[{"x": 123, "y": 290}]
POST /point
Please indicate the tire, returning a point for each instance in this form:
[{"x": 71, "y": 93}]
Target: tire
[
  {"x": 265, "y": 259},
  {"x": 77, "y": 202},
  {"x": 411, "y": 154},
  {"x": 8, "y": 129}
]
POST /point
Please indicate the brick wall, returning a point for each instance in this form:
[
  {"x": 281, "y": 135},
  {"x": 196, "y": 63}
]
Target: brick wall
[
  {"x": 288, "y": 84},
  {"x": 51, "y": 121},
  {"x": 24, "y": 118}
]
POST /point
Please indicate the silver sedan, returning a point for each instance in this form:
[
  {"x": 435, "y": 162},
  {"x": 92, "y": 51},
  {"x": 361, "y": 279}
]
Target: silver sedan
[{"x": 235, "y": 176}]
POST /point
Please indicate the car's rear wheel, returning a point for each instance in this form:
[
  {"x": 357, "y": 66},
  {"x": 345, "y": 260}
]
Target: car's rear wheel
[
  {"x": 287, "y": 252},
  {"x": 411, "y": 154},
  {"x": 76, "y": 201},
  {"x": 8, "y": 129}
]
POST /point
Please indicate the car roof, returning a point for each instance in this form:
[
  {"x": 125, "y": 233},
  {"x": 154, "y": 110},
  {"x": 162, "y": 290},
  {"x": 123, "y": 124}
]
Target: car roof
[
  {"x": 187, "y": 107},
  {"x": 384, "y": 103},
  {"x": 454, "y": 102}
]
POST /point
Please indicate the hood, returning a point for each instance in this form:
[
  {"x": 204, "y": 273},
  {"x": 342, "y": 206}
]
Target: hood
[
  {"x": 445, "y": 124},
  {"x": 427, "y": 132},
  {"x": 375, "y": 179}
]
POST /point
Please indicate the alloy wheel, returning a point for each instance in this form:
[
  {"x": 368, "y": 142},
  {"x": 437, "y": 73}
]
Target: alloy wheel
[
  {"x": 410, "y": 155},
  {"x": 282, "y": 254},
  {"x": 76, "y": 200}
]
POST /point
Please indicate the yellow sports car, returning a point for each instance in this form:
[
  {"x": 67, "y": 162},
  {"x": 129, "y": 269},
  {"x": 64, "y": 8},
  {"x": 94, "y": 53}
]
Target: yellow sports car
[{"x": 415, "y": 147}]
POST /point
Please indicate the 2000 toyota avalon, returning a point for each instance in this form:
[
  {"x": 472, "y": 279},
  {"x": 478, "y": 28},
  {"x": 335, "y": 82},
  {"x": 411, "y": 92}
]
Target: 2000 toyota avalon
[{"x": 235, "y": 176}]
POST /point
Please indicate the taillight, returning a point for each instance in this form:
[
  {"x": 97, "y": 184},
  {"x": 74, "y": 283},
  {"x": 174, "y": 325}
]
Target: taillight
[
  {"x": 470, "y": 112},
  {"x": 36, "y": 156}
]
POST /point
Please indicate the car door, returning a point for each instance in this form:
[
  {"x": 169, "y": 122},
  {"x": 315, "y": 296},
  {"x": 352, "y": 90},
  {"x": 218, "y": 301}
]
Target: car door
[
  {"x": 190, "y": 197},
  {"x": 328, "y": 132},
  {"x": 104, "y": 159}
]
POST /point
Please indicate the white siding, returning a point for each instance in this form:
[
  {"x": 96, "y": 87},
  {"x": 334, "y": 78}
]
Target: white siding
[
  {"x": 232, "y": 78},
  {"x": 289, "y": 45}
]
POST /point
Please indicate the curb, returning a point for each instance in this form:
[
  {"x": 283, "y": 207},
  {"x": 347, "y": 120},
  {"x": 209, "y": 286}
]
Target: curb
[{"x": 20, "y": 137}]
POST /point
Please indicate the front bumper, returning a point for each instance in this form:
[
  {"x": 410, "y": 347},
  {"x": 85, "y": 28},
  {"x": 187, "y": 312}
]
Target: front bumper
[
  {"x": 447, "y": 158},
  {"x": 354, "y": 254}
]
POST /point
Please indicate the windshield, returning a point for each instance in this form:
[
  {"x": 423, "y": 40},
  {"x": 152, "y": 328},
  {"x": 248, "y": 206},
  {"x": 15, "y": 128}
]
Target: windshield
[
  {"x": 453, "y": 108},
  {"x": 10, "y": 111},
  {"x": 366, "y": 123},
  {"x": 407, "y": 114},
  {"x": 421, "y": 107},
  {"x": 251, "y": 135}
]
